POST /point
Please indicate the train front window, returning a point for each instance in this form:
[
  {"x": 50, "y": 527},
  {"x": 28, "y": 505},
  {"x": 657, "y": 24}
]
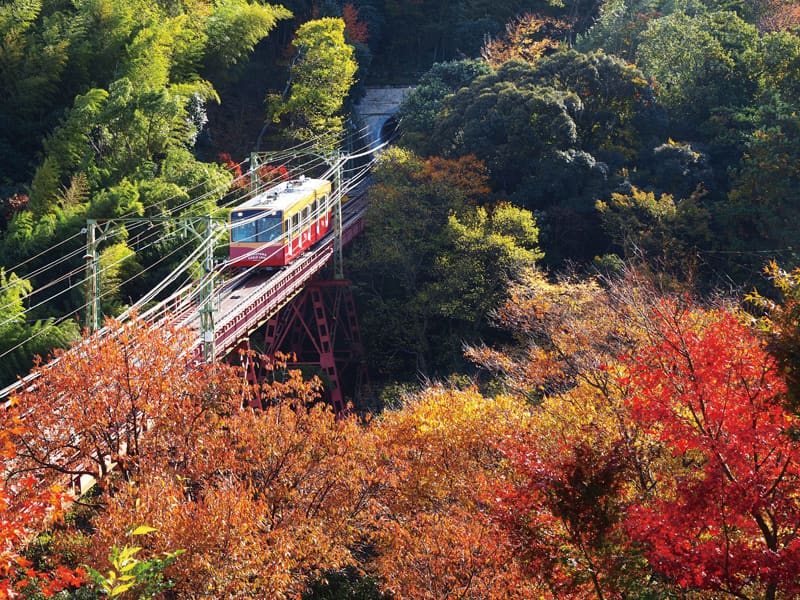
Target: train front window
[
  {"x": 269, "y": 228},
  {"x": 243, "y": 232}
]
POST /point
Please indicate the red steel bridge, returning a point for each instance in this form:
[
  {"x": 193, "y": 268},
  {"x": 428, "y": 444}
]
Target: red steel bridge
[{"x": 312, "y": 318}]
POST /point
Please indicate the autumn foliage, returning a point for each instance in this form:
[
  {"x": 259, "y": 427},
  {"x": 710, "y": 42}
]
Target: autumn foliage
[
  {"x": 25, "y": 507},
  {"x": 528, "y": 38},
  {"x": 728, "y": 522},
  {"x": 437, "y": 461},
  {"x": 357, "y": 30},
  {"x": 634, "y": 445}
]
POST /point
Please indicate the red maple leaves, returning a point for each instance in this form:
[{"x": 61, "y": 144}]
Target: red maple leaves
[{"x": 727, "y": 517}]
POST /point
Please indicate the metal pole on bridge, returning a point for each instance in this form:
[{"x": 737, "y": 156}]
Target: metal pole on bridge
[
  {"x": 207, "y": 296},
  {"x": 338, "y": 260},
  {"x": 92, "y": 277}
]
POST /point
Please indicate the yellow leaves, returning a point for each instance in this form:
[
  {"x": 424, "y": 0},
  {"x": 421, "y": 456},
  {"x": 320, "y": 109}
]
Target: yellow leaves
[{"x": 527, "y": 38}]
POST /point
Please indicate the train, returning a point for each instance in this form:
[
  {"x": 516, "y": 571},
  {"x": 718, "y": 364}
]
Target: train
[{"x": 275, "y": 227}]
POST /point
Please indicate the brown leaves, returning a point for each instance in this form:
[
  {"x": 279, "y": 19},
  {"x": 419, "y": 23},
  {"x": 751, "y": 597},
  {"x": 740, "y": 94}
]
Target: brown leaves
[
  {"x": 93, "y": 408},
  {"x": 357, "y": 30},
  {"x": 777, "y": 15}
]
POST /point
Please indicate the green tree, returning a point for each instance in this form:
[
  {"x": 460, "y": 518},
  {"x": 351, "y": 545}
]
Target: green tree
[
  {"x": 320, "y": 79},
  {"x": 483, "y": 252},
  {"x": 32, "y": 60},
  {"x": 660, "y": 230},
  {"x": 432, "y": 263},
  {"x": 555, "y": 137},
  {"x": 233, "y": 29},
  {"x": 22, "y": 337},
  {"x": 419, "y": 111},
  {"x": 700, "y": 63}
]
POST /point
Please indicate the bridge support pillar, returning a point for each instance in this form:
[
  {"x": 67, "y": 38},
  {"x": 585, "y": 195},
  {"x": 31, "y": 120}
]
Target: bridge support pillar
[
  {"x": 320, "y": 326},
  {"x": 251, "y": 366}
]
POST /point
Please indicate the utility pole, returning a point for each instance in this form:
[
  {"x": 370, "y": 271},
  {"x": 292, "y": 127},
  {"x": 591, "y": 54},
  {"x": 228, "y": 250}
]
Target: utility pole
[
  {"x": 207, "y": 296},
  {"x": 92, "y": 259},
  {"x": 255, "y": 164},
  {"x": 206, "y": 310},
  {"x": 338, "y": 260}
]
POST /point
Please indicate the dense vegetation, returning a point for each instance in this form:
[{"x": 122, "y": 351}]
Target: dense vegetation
[{"x": 562, "y": 233}]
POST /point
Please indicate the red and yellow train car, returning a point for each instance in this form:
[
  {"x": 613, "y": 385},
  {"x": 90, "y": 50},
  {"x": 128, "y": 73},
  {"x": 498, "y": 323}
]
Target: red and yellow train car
[{"x": 276, "y": 226}]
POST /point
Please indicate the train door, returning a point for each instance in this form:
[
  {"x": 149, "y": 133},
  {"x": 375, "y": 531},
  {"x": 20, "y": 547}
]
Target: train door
[
  {"x": 287, "y": 239},
  {"x": 297, "y": 234},
  {"x": 315, "y": 219},
  {"x": 306, "y": 227}
]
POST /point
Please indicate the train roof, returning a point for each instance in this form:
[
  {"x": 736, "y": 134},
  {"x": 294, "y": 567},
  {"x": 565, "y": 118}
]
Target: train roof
[{"x": 285, "y": 194}]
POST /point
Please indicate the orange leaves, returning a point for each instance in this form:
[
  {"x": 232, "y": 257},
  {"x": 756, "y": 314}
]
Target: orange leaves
[
  {"x": 564, "y": 330},
  {"x": 437, "y": 459},
  {"x": 778, "y": 15},
  {"x": 357, "y": 30},
  {"x": 656, "y": 442},
  {"x": 270, "y": 499},
  {"x": 93, "y": 409},
  {"x": 466, "y": 173}
]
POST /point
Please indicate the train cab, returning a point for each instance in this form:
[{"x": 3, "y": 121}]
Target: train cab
[{"x": 278, "y": 225}]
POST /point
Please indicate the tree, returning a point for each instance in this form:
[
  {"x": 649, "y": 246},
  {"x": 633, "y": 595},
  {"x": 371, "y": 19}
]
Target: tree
[
  {"x": 778, "y": 321},
  {"x": 778, "y": 15},
  {"x": 712, "y": 396},
  {"x": 699, "y": 63},
  {"x": 419, "y": 111},
  {"x": 526, "y": 38},
  {"x": 660, "y": 230},
  {"x": 233, "y": 28},
  {"x": 484, "y": 252},
  {"x": 320, "y": 78},
  {"x": 116, "y": 400},
  {"x": 21, "y": 336},
  {"x": 33, "y": 58},
  {"x": 357, "y": 30},
  {"x": 267, "y": 502},
  {"x": 426, "y": 245},
  {"x": 555, "y": 137},
  {"x": 437, "y": 459},
  {"x": 565, "y": 498},
  {"x": 25, "y": 507}
]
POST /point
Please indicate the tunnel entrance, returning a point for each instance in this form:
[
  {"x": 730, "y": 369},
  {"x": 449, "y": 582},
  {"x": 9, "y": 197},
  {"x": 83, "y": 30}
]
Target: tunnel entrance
[{"x": 389, "y": 129}]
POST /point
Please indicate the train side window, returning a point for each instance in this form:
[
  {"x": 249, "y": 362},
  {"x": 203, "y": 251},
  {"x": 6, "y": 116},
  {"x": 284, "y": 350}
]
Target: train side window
[
  {"x": 305, "y": 217},
  {"x": 288, "y": 228},
  {"x": 295, "y": 222},
  {"x": 314, "y": 209}
]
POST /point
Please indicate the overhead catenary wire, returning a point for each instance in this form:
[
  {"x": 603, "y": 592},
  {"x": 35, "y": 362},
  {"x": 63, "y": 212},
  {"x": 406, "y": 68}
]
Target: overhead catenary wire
[
  {"x": 346, "y": 185},
  {"x": 83, "y": 281},
  {"x": 114, "y": 264},
  {"x": 287, "y": 152}
]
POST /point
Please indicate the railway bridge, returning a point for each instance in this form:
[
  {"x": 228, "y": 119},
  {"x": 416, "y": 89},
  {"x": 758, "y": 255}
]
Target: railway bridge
[{"x": 298, "y": 311}]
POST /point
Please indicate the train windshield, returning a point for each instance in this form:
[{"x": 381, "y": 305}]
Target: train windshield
[{"x": 254, "y": 229}]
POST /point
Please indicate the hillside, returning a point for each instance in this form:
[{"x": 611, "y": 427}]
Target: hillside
[{"x": 577, "y": 290}]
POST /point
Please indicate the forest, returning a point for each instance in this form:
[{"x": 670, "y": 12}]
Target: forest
[{"x": 578, "y": 290}]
